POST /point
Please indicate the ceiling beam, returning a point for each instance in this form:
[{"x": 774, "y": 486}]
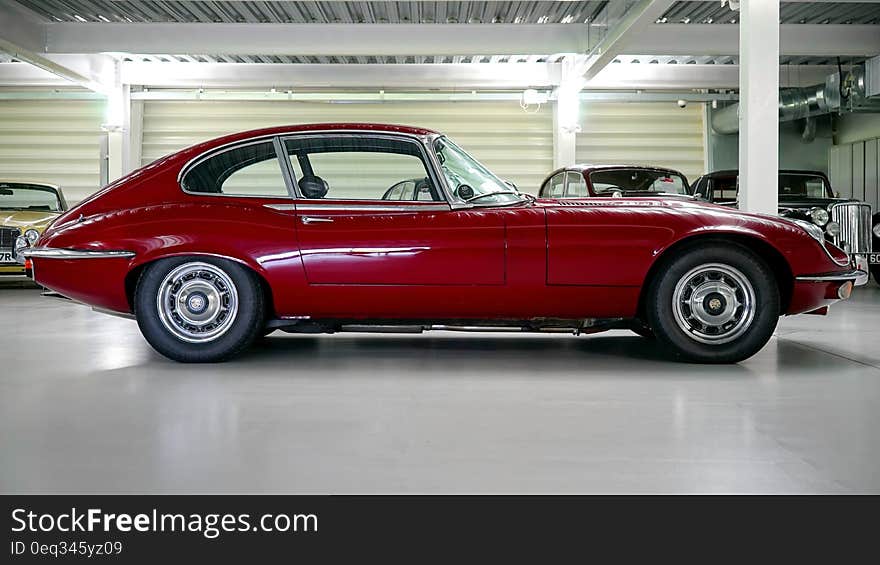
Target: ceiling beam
[
  {"x": 318, "y": 39},
  {"x": 633, "y": 23},
  {"x": 440, "y": 39},
  {"x": 468, "y": 76},
  {"x": 22, "y": 36},
  {"x": 482, "y": 76},
  {"x": 723, "y": 39}
]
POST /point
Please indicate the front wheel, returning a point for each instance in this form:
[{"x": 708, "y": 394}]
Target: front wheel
[
  {"x": 714, "y": 304},
  {"x": 199, "y": 309}
]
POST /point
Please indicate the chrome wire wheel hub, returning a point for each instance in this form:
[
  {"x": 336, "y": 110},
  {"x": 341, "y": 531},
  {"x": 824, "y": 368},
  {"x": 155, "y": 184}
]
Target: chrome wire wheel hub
[
  {"x": 714, "y": 303},
  {"x": 197, "y": 302}
]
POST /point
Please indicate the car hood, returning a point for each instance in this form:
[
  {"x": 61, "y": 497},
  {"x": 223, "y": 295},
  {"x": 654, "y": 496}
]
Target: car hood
[
  {"x": 692, "y": 207},
  {"x": 26, "y": 219}
]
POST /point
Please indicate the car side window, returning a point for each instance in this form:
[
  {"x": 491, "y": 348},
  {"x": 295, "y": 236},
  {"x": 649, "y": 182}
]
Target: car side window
[
  {"x": 557, "y": 186},
  {"x": 252, "y": 169},
  {"x": 723, "y": 189},
  {"x": 360, "y": 167},
  {"x": 575, "y": 185}
]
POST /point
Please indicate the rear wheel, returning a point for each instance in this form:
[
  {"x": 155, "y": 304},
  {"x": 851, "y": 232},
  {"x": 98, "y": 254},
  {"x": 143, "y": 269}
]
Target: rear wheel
[
  {"x": 714, "y": 304},
  {"x": 199, "y": 309}
]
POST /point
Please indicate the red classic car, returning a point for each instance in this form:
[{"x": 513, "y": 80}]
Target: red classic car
[{"x": 293, "y": 228}]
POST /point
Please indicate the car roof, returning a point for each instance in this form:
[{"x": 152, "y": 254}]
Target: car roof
[
  {"x": 735, "y": 172},
  {"x": 587, "y": 167},
  {"x": 231, "y": 138}
]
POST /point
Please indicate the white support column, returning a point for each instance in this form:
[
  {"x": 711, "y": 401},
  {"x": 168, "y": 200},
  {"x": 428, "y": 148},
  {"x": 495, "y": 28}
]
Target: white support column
[
  {"x": 135, "y": 135},
  {"x": 759, "y": 106},
  {"x": 566, "y": 112},
  {"x": 117, "y": 124}
]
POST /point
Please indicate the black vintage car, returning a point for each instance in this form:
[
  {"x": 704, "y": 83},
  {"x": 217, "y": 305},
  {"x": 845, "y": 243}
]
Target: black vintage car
[{"x": 807, "y": 195}]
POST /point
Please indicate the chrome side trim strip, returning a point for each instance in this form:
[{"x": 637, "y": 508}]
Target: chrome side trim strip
[
  {"x": 52, "y": 253},
  {"x": 834, "y": 277},
  {"x": 318, "y": 207}
]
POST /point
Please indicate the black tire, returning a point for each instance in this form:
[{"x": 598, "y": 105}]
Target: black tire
[
  {"x": 744, "y": 340},
  {"x": 245, "y": 325},
  {"x": 875, "y": 272}
]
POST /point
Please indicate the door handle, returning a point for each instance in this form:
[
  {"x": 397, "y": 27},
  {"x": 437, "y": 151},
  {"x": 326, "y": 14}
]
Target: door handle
[{"x": 315, "y": 220}]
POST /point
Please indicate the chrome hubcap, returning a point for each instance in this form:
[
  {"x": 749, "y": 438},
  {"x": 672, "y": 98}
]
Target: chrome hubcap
[
  {"x": 714, "y": 303},
  {"x": 197, "y": 302}
]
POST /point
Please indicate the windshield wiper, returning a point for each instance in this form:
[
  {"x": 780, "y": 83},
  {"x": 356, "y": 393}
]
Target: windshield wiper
[{"x": 495, "y": 193}]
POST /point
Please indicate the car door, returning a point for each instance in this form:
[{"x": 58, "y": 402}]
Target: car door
[{"x": 349, "y": 235}]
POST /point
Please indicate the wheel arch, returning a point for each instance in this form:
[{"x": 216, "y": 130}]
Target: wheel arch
[
  {"x": 772, "y": 256},
  {"x": 134, "y": 275}
]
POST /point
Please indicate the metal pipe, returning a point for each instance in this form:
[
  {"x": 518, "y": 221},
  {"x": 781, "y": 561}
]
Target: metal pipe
[{"x": 797, "y": 103}]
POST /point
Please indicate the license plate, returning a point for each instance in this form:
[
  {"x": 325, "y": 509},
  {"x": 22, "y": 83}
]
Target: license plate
[
  {"x": 6, "y": 256},
  {"x": 874, "y": 258}
]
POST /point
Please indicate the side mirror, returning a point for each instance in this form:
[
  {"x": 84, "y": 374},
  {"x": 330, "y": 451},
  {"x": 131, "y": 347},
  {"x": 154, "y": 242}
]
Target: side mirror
[
  {"x": 837, "y": 194},
  {"x": 465, "y": 192}
]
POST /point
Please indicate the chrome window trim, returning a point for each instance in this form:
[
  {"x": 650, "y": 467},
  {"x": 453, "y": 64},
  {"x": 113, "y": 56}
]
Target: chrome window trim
[
  {"x": 380, "y": 206},
  {"x": 231, "y": 147},
  {"x": 430, "y": 166},
  {"x": 276, "y": 138},
  {"x": 59, "y": 253}
]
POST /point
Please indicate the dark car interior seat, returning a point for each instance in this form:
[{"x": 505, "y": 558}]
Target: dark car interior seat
[{"x": 313, "y": 186}]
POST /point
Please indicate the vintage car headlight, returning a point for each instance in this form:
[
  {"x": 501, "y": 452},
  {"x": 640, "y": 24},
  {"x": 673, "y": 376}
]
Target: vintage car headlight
[
  {"x": 832, "y": 229},
  {"x": 877, "y": 230},
  {"x": 32, "y": 236},
  {"x": 21, "y": 243},
  {"x": 819, "y": 216},
  {"x": 812, "y": 229}
]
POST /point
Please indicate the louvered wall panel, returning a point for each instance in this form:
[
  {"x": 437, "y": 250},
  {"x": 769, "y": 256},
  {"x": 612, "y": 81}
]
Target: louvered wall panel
[
  {"x": 516, "y": 145},
  {"x": 56, "y": 141},
  {"x": 650, "y": 133}
]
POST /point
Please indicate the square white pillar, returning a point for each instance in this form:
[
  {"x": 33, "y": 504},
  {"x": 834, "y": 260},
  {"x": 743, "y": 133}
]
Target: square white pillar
[
  {"x": 759, "y": 106},
  {"x": 566, "y": 112}
]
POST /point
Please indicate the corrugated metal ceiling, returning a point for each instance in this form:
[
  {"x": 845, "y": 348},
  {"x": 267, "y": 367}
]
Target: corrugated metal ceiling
[
  {"x": 536, "y": 12},
  {"x": 279, "y": 11},
  {"x": 314, "y": 12},
  {"x": 789, "y": 13}
]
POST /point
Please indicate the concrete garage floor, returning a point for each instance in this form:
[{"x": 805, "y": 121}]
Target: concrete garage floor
[{"x": 87, "y": 406}]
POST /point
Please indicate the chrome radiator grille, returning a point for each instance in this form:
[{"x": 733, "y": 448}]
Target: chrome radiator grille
[
  {"x": 7, "y": 237},
  {"x": 855, "y": 226}
]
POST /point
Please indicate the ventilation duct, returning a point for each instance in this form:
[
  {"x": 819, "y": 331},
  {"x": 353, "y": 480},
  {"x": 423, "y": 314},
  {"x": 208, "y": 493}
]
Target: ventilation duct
[{"x": 811, "y": 101}]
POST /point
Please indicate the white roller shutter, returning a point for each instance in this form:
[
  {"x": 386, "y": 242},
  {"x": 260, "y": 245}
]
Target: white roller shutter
[
  {"x": 56, "y": 141},
  {"x": 515, "y": 144},
  {"x": 648, "y": 133}
]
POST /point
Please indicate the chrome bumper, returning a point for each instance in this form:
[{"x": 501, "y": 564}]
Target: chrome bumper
[
  {"x": 56, "y": 253},
  {"x": 856, "y": 276},
  {"x": 860, "y": 262}
]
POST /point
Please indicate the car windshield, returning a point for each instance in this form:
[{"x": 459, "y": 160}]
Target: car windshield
[
  {"x": 28, "y": 197},
  {"x": 471, "y": 181},
  {"x": 803, "y": 185},
  {"x": 637, "y": 180}
]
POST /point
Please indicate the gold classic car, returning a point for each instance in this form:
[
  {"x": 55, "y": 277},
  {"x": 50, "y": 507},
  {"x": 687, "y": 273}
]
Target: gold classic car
[{"x": 26, "y": 209}]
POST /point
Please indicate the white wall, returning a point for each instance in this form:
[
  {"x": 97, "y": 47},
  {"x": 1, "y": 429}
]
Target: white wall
[
  {"x": 55, "y": 141},
  {"x": 515, "y": 144},
  {"x": 794, "y": 153}
]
